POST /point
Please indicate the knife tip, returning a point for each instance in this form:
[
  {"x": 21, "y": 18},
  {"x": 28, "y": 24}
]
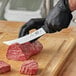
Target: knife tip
[{"x": 6, "y": 43}]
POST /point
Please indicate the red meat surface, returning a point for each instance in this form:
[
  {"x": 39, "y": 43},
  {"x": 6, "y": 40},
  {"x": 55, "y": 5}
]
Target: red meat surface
[
  {"x": 4, "y": 67},
  {"x": 30, "y": 67},
  {"x": 24, "y": 51}
]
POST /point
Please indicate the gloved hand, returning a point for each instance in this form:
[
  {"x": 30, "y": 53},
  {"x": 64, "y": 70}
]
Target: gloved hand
[
  {"x": 32, "y": 24},
  {"x": 58, "y": 18}
]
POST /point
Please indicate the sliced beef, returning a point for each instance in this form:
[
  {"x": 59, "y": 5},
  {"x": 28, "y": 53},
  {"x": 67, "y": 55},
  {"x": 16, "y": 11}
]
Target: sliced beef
[
  {"x": 4, "y": 67},
  {"x": 30, "y": 67},
  {"x": 23, "y": 51},
  {"x": 14, "y": 52}
]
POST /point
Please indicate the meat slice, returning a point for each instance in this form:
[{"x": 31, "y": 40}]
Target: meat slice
[
  {"x": 30, "y": 67},
  {"x": 4, "y": 67},
  {"x": 24, "y": 51}
]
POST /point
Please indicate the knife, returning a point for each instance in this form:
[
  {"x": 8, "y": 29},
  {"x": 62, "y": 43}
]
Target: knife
[{"x": 27, "y": 38}]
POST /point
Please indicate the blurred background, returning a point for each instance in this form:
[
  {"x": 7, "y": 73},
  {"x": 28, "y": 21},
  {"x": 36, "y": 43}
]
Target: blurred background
[{"x": 24, "y": 10}]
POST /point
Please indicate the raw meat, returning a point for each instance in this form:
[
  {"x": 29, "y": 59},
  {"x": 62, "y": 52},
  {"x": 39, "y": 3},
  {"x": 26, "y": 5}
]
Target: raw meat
[
  {"x": 4, "y": 67},
  {"x": 30, "y": 67},
  {"x": 24, "y": 51}
]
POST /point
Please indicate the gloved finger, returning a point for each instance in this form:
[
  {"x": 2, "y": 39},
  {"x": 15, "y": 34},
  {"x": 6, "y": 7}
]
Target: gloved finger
[
  {"x": 32, "y": 24},
  {"x": 23, "y": 32}
]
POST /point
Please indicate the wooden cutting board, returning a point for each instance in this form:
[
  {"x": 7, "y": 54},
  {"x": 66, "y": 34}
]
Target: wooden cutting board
[
  {"x": 58, "y": 47},
  {"x": 51, "y": 59}
]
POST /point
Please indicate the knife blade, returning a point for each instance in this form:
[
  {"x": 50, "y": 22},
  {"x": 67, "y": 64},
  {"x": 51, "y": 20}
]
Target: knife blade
[{"x": 27, "y": 38}]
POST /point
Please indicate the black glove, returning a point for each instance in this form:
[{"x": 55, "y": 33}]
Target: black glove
[
  {"x": 58, "y": 18},
  {"x": 32, "y": 24}
]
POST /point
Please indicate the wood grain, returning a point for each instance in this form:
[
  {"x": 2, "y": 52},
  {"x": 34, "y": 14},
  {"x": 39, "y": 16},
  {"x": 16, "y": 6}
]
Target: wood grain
[
  {"x": 55, "y": 65},
  {"x": 57, "y": 51},
  {"x": 52, "y": 47}
]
